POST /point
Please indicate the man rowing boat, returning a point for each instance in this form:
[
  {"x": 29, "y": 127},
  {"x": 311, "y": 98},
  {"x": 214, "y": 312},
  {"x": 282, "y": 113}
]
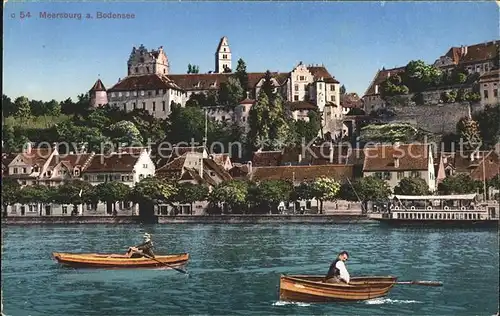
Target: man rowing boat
[
  {"x": 144, "y": 249},
  {"x": 338, "y": 272}
]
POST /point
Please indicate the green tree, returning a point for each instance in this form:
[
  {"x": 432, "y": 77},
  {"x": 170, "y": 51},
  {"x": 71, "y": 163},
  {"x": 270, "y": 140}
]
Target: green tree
[
  {"x": 14, "y": 138},
  {"x": 75, "y": 192},
  {"x": 419, "y": 76},
  {"x": 53, "y": 108},
  {"x": 325, "y": 189},
  {"x": 306, "y": 130},
  {"x": 233, "y": 193},
  {"x": 11, "y": 190},
  {"x": 36, "y": 194},
  {"x": 412, "y": 186},
  {"x": 489, "y": 127},
  {"x": 125, "y": 132},
  {"x": 271, "y": 193},
  {"x": 494, "y": 182},
  {"x": 258, "y": 121},
  {"x": 366, "y": 189},
  {"x": 231, "y": 92},
  {"x": 23, "y": 109},
  {"x": 468, "y": 130},
  {"x": 242, "y": 75},
  {"x": 278, "y": 126},
  {"x": 268, "y": 86},
  {"x": 111, "y": 193},
  {"x": 459, "y": 184},
  {"x": 190, "y": 193},
  {"x": 149, "y": 192},
  {"x": 193, "y": 69},
  {"x": 8, "y": 107}
]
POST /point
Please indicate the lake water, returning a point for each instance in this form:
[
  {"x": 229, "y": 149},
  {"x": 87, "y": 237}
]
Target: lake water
[{"x": 235, "y": 269}]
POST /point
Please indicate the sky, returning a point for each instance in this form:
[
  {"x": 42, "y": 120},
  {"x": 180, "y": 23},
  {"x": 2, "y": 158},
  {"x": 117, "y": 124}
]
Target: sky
[{"x": 55, "y": 59}]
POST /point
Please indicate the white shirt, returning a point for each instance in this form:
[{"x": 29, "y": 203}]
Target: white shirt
[{"x": 344, "y": 275}]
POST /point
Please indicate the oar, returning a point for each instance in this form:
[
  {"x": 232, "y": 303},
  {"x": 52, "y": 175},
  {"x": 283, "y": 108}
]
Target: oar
[
  {"x": 152, "y": 258},
  {"x": 426, "y": 283}
]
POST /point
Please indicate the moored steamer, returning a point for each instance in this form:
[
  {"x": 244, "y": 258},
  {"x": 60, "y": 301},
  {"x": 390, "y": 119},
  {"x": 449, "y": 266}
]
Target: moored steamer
[{"x": 455, "y": 210}]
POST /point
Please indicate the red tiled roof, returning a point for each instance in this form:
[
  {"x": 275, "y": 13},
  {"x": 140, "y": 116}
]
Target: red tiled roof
[
  {"x": 36, "y": 156},
  {"x": 351, "y": 100},
  {"x": 175, "y": 165},
  {"x": 382, "y": 157},
  {"x": 145, "y": 82},
  {"x": 488, "y": 167},
  {"x": 220, "y": 158},
  {"x": 303, "y": 173},
  {"x": 475, "y": 53},
  {"x": 381, "y": 76},
  {"x": 239, "y": 171},
  {"x": 112, "y": 163},
  {"x": 301, "y": 105},
  {"x": 98, "y": 86},
  {"x": 248, "y": 101},
  {"x": 266, "y": 158},
  {"x": 319, "y": 72},
  {"x": 218, "y": 169}
]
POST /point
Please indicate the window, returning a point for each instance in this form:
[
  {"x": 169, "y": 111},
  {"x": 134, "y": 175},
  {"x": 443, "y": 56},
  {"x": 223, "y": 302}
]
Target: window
[
  {"x": 144, "y": 105},
  {"x": 332, "y": 98},
  {"x": 150, "y": 93},
  {"x": 486, "y": 67},
  {"x": 332, "y": 87},
  {"x": 223, "y": 117},
  {"x": 158, "y": 91},
  {"x": 134, "y": 93},
  {"x": 77, "y": 172},
  {"x": 164, "y": 106},
  {"x": 112, "y": 94},
  {"x": 15, "y": 170},
  {"x": 134, "y": 106},
  {"x": 124, "y": 106},
  {"x": 295, "y": 98},
  {"x": 319, "y": 86},
  {"x": 302, "y": 78},
  {"x": 127, "y": 94},
  {"x": 485, "y": 94},
  {"x": 387, "y": 175},
  {"x": 136, "y": 70},
  {"x": 65, "y": 210},
  {"x": 296, "y": 87},
  {"x": 145, "y": 165},
  {"x": 154, "y": 106},
  {"x": 119, "y": 94},
  {"x": 23, "y": 182},
  {"x": 495, "y": 93},
  {"x": 224, "y": 56},
  {"x": 401, "y": 175},
  {"x": 35, "y": 169},
  {"x": 415, "y": 174},
  {"x": 141, "y": 176},
  {"x": 224, "y": 49},
  {"x": 24, "y": 170},
  {"x": 142, "y": 93}
]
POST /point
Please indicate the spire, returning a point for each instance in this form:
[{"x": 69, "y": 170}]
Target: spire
[{"x": 98, "y": 86}]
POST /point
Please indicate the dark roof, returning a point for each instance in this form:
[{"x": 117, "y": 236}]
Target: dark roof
[
  {"x": 218, "y": 169},
  {"x": 98, "y": 86},
  {"x": 220, "y": 43},
  {"x": 36, "y": 156},
  {"x": 320, "y": 72},
  {"x": 239, "y": 171},
  {"x": 351, "y": 100},
  {"x": 248, "y": 101},
  {"x": 175, "y": 165},
  {"x": 145, "y": 82},
  {"x": 301, "y": 105},
  {"x": 380, "y": 77},
  {"x": 71, "y": 160},
  {"x": 491, "y": 168},
  {"x": 121, "y": 162},
  {"x": 303, "y": 173},
  {"x": 410, "y": 156}
]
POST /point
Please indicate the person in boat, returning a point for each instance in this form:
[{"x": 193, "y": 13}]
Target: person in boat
[
  {"x": 146, "y": 248},
  {"x": 338, "y": 272}
]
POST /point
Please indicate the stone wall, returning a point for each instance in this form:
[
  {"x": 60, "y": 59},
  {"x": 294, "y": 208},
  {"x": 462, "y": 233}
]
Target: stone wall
[
  {"x": 65, "y": 220},
  {"x": 264, "y": 219}
]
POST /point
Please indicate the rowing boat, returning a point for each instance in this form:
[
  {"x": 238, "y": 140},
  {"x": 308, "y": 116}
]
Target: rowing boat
[
  {"x": 94, "y": 260},
  {"x": 311, "y": 288}
]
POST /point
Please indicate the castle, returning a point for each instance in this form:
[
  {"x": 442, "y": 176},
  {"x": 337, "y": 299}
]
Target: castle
[{"x": 150, "y": 86}]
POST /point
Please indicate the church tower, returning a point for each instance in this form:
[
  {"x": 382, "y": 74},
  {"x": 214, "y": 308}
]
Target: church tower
[
  {"x": 223, "y": 57},
  {"x": 98, "y": 95}
]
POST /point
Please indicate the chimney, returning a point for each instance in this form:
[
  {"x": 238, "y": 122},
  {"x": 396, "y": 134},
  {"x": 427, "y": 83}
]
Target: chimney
[
  {"x": 248, "y": 94},
  {"x": 376, "y": 89},
  {"x": 396, "y": 162},
  {"x": 300, "y": 158},
  {"x": 249, "y": 164}
]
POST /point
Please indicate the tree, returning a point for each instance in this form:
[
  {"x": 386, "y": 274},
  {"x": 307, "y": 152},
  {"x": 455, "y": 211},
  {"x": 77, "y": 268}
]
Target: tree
[
  {"x": 201, "y": 100},
  {"x": 190, "y": 193},
  {"x": 419, "y": 76},
  {"x": 8, "y": 107},
  {"x": 325, "y": 189},
  {"x": 459, "y": 184},
  {"x": 258, "y": 120},
  {"x": 494, "y": 182},
  {"x": 489, "y": 127},
  {"x": 342, "y": 90},
  {"x": 23, "y": 109},
  {"x": 306, "y": 130},
  {"x": 233, "y": 193},
  {"x": 125, "y": 132},
  {"x": 271, "y": 193},
  {"x": 278, "y": 126},
  {"x": 231, "y": 92},
  {"x": 468, "y": 130},
  {"x": 14, "y": 138},
  {"x": 268, "y": 86},
  {"x": 75, "y": 192},
  {"x": 412, "y": 186},
  {"x": 193, "y": 69},
  {"x": 38, "y": 194},
  {"x": 112, "y": 192},
  {"x": 10, "y": 193},
  {"x": 241, "y": 74},
  {"x": 151, "y": 191},
  {"x": 366, "y": 189}
]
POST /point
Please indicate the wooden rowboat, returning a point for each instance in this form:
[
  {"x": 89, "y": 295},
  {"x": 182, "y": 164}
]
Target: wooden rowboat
[
  {"x": 311, "y": 288},
  {"x": 94, "y": 260}
]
